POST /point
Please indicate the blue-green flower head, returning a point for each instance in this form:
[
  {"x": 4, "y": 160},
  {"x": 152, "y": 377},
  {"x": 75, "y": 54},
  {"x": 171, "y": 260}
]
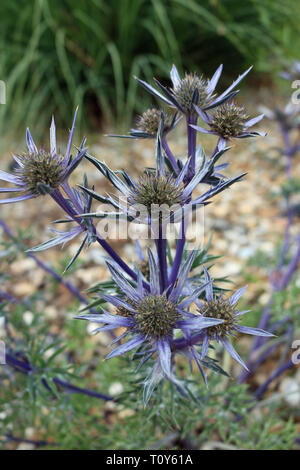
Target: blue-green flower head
[
  {"x": 153, "y": 188},
  {"x": 151, "y": 316},
  {"x": 193, "y": 90},
  {"x": 229, "y": 120},
  {"x": 39, "y": 171},
  {"x": 225, "y": 309}
]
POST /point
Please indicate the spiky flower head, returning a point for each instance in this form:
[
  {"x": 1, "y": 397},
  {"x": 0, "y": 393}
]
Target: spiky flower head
[
  {"x": 149, "y": 122},
  {"x": 41, "y": 172},
  {"x": 192, "y": 90},
  {"x": 158, "y": 196},
  {"x": 155, "y": 316},
  {"x": 151, "y": 316},
  {"x": 38, "y": 171},
  {"x": 221, "y": 308},
  {"x": 229, "y": 120},
  {"x": 153, "y": 188},
  {"x": 216, "y": 306}
]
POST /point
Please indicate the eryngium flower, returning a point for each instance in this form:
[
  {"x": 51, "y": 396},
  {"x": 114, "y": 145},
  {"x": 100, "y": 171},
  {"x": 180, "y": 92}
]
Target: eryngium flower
[
  {"x": 227, "y": 122},
  {"x": 159, "y": 195},
  {"x": 153, "y": 188},
  {"x": 147, "y": 125},
  {"x": 38, "y": 171},
  {"x": 216, "y": 306},
  {"x": 150, "y": 317},
  {"x": 193, "y": 90}
]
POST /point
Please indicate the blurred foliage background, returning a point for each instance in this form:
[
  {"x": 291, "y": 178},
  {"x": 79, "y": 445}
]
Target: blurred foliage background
[{"x": 60, "y": 53}]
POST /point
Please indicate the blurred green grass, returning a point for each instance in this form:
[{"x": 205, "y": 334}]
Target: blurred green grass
[{"x": 59, "y": 54}]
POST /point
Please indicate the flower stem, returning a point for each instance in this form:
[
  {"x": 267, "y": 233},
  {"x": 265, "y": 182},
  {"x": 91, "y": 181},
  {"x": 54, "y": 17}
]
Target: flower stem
[
  {"x": 27, "y": 368},
  {"x": 44, "y": 266},
  {"x": 161, "y": 246},
  {"x": 289, "y": 152},
  {"x": 63, "y": 203},
  {"x": 280, "y": 370},
  {"x": 179, "y": 253},
  {"x": 192, "y": 135}
]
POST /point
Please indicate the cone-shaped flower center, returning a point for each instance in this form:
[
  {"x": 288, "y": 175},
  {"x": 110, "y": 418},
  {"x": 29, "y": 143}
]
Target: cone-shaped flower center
[
  {"x": 157, "y": 189},
  {"x": 192, "y": 89},
  {"x": 222, "y": 310},
  {"x": 229, "y": 120},
  {"x": 149, "y": 122},
  {"x": 156, "y": 316},
  {"x": 41, "y": 172}
]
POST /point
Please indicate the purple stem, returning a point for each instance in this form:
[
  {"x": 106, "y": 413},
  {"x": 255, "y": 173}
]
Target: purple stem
[
  {"x": 178, "y": 254},
  {"x": 280, "y": 370},
  {"x": 26, "y": 368},
  {"x": 192, "y": 136},
  {"x": 161, "y": 247},
  {"x": 64, "y": 204},
  {"x": 289, "y": 151},
  {"x": 10, "y": 298},
  {"x": 44, "y": 266},
  {"x": 254, "y": 364},
  {"x": 286, "y": 239},
  {"x": 182, "y": 343},
  {"x": 290, "y": 270},
  {"x": 267, "y": 313}
]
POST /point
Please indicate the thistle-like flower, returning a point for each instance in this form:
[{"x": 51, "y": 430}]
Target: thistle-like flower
[
  {"x": 193, "y": 90},
  {"x": 153, "y": 188},
  {"x": 157, "y": 193},
  {"x": 151, "y": 316},
  {"x": 228, "y": 122},
  {"x": 148, "y": 123},
  {"x": 38, "y": 171},
  {"x": 216, "y": 306}
]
